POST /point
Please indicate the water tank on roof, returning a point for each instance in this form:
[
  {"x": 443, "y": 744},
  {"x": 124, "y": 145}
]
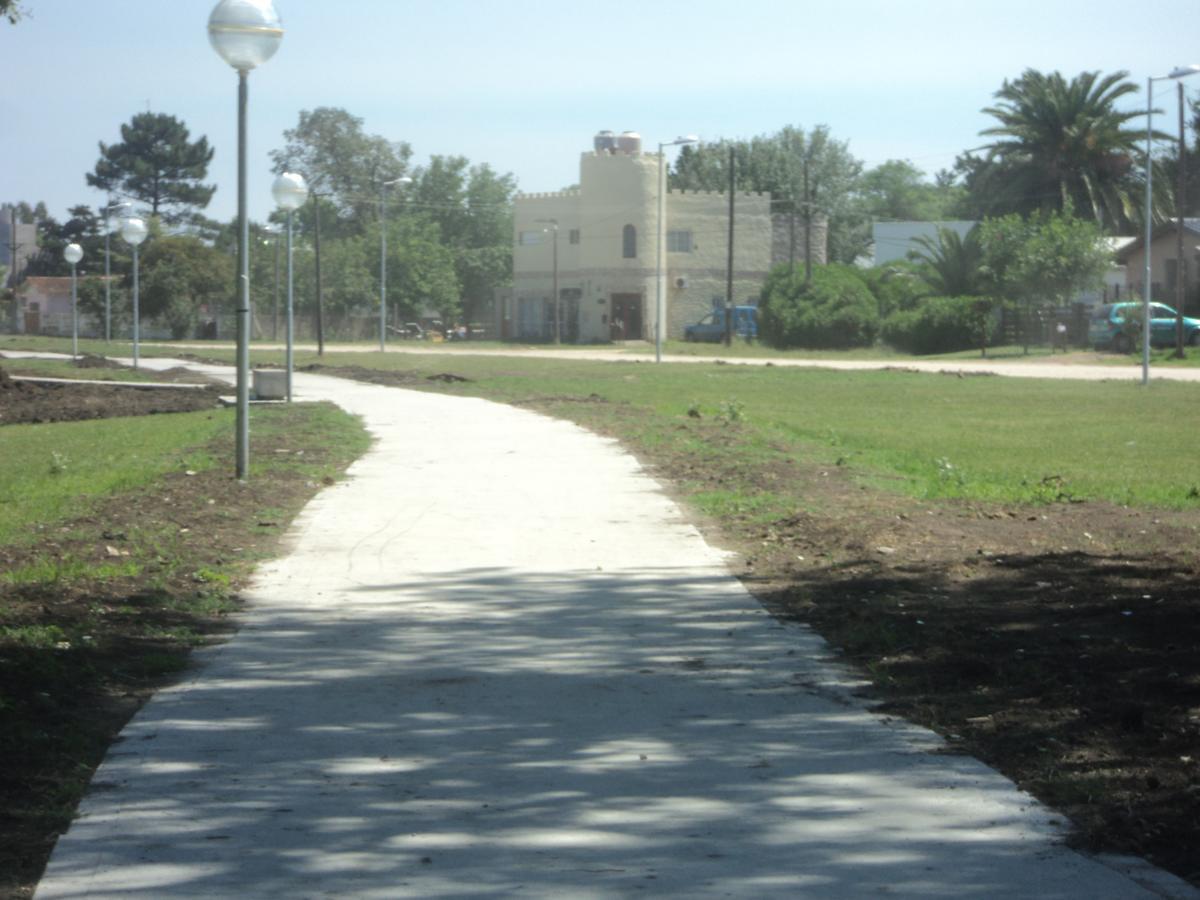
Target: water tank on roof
[
  {"x": 605, "y": 142},
  {"x": 630, "y": 142}
]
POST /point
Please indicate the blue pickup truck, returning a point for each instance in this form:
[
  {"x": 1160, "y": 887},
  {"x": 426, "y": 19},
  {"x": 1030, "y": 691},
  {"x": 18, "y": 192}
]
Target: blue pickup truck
[{"x": 712, "y": 327}]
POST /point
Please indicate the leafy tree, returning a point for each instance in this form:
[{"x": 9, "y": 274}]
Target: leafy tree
[
  {"x": 777, "y": 163},
  {"x": 179, "y": 274},
  {"x": 339, "y": 160},
  {"x": 897, "y": 190},
  {"x": 83, "y": 227},
  {"x": 156, "y": 164},
  {"x": 951, "y": 265},
  {"x": 25, "y": 212},
  {"x": 835, "y": 310},
  {"x": 1170, "y": 167},
  {"x": 12, "y": 10},
  {"x": 421, "y": 270},
  {"x": 897, "y": 285},
  {"x": 472, "y": 208},
  {"x": 1060, "y": 144},
  {"x": 1042, "y": 261}
]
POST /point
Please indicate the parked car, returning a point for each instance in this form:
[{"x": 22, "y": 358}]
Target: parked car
[
  {"x": 712, "y": 327},
  {"x": 1115, "y": 326}
]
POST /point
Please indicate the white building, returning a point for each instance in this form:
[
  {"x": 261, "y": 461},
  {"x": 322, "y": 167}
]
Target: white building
[
  {"x": 895, "y": 240},
  {"x": 605, "y": 235}
]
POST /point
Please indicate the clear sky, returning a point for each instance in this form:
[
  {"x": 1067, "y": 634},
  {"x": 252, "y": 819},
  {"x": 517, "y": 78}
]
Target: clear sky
[{"x": 524, "y": 86}]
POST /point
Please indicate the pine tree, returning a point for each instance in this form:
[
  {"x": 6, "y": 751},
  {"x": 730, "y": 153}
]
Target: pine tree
[{"x": 156, "y": 164}]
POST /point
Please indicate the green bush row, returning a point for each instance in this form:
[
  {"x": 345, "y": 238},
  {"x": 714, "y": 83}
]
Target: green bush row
[{"x": 939, "y": 325}]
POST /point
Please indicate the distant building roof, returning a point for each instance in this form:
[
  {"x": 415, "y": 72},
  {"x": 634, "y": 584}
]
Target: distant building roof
[{"x": 1190, "y": 226}]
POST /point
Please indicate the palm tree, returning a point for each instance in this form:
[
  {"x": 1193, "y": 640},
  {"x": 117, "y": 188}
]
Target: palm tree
[
  {"x": 951, "y": 265},
  {"x": 1064, "y": 143}
]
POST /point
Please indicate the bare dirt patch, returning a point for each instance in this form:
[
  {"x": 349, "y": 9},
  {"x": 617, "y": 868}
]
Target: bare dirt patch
[{"x": 31, "y": 402}]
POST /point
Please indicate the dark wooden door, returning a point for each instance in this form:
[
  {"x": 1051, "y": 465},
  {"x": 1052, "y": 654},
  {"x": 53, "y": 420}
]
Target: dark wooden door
[{"x": 627, "y": 317}]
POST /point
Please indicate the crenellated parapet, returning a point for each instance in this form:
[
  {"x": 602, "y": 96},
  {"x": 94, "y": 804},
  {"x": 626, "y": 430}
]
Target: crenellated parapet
[
  {"x": 698, "y": 193},
  {"x": 548, "y": 195}
]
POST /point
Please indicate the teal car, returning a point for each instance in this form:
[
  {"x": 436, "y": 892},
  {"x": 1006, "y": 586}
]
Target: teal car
[{"x": 1116, "y": 326}]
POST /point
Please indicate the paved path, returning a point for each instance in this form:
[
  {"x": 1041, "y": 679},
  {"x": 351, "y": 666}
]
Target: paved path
[
  {"x": 498, "y": 662},
  {"x": 1037, "y": 367}
]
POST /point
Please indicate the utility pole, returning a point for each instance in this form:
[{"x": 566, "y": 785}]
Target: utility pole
[
  {"x": 1180, "y": 206},
  {"x": 557, "y": 299},
  {"x": 807, "y": 226},
  {"x": 275, "y": 307},
  {"x": 729, "y": 262},
  {"x": 792, "y": 230},
  {"x": 13, "y": 247},
  {"x": 320, "y": 295}
]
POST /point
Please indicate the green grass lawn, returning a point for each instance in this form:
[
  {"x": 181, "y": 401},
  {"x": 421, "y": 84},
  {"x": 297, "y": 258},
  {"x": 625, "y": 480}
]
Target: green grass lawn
[
  {"x": 65, "y": 368},
  {"x": 986, "y": 438},
  {"x": 55, "y": 471}
]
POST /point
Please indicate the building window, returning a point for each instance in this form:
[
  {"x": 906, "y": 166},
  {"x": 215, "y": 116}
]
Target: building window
[
  {"x": 679, "y": 242},
  {"x": 629, "y": 242},
  {"x": 529, "y": 238},
  {"x": 573, "y": 236}
]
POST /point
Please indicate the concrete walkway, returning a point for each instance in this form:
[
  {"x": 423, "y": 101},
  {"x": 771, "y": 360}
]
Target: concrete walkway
[
  {"x": 1034, "y": 367},
  {"x": 498, "y": 662}
]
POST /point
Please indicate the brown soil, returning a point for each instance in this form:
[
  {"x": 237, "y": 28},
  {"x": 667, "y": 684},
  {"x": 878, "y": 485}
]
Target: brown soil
[{"x": 29, "y": 402}]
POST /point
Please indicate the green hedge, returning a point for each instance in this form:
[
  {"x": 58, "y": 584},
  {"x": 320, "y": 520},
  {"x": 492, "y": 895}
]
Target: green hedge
[
  {"x": 937, "y": 325},
  {"x": 836, "y": 310}
]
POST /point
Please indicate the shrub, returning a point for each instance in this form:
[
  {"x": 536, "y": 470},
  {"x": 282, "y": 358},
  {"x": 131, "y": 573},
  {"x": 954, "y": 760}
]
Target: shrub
[
  {"x": 836, "y": 310},
  {"x": 938, "y": 325},
  {"x": 896, "y": 285}
]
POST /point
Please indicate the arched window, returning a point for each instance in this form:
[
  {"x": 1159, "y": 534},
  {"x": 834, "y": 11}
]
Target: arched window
[{"x": 629, "y": 242}]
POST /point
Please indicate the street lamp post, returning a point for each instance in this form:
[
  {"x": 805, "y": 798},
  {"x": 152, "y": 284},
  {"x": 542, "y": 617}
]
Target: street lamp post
[
  {"x": 73, "y": 253},
  {"x": 112, "y": 217},
  {"x": 553, "y": 223},
  {"x": 659, "y": 290},
  {"x": 404, "y": 179},
  {"x": 245, "y": 33},
  {"x": 290, "y": 194},
  {"x": 134, "y": 231},
  {"x": 1180, "y": 72},
  {"x": 274, "y": 231}
]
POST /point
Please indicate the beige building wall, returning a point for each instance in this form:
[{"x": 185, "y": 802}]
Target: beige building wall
[
  {"x": 696, "y": 280},
  {"x": 605, "y": 294},
  {"x": 1164, "y": 247}
]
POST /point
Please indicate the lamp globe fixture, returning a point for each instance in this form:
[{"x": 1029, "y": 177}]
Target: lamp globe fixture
[
  {"x": 134, "y": 230},
  {"x": 290, "y": 191},
  {"x": 245, "y": 33},
  {"x": 72, "y": 253}
]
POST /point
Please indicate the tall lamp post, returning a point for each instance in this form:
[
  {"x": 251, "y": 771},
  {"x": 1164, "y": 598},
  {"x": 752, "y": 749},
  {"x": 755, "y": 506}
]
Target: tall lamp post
[
  {"x": 553, "y": 223},
  {"x": 73, "y": 253},
  {"x": 404, "y": 179},
  {"x": 1180, "y": 72},
  {"x": 113, "y": 213},
  {"x": 659, "y": 290},
  {"x": 274, "y": 231},
  {"x": 290, "y": 193},
  {"x": 245, "y": 33},
  {"x": 134, "y": 231}
]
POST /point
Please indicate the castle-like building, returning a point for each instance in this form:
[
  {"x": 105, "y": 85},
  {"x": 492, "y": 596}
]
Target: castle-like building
[{"x": 605, "y": 235}]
